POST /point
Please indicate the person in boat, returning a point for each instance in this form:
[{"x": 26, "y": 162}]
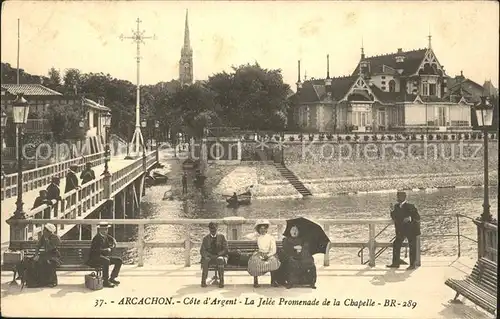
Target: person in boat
[
  {"x": 298, "y": 263},
  {"x": 48, "y": 260},
  {"x": 233, "y": 199},
  {"x": 265, "y": 259}
]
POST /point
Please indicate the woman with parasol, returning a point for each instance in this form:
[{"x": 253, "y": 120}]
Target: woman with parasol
[
  {"x": 264, "y": 260},
  {"x": 298, "y": 262},
  {"x": 303, "y": 239}
]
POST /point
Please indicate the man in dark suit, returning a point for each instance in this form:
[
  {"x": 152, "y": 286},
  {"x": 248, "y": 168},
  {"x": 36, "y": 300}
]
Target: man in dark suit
[
  {"x": 71, "y": 179},
  {"x": 407, "y": 223},
  {"x": 53, "y": 196},
  {"x": 100, "y": 255},
  {"x": 213, "y": 251}
]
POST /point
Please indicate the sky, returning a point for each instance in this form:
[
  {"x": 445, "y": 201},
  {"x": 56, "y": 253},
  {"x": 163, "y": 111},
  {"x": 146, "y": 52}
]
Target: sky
[{"x": 85, "y": 35}]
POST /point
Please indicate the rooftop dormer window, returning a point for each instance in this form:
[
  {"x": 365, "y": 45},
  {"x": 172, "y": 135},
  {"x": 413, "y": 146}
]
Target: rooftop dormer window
[{"x": 400, "y": 59}]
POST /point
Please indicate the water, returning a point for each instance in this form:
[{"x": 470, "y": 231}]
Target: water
[{"x": 437, "y": 209}]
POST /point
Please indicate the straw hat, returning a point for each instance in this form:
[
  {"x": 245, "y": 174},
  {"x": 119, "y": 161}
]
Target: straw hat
[
  {"x": 261, "y": 222},
  {"x": 103, "y": 225},
  {"x": 50, "y": 227}
]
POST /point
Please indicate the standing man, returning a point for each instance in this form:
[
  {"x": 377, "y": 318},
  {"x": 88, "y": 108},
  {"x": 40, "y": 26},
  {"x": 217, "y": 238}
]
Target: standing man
[
  {"x": 87, "y": 174},
  {"x": 71, "y": 179},
  {"x": 184, "y": 183},
  {"x": 407, "y": 223},
  {"x": 53, "y": 195},
  {"x": 100, "y": 255},
  {"x": 213, "y": 251}
]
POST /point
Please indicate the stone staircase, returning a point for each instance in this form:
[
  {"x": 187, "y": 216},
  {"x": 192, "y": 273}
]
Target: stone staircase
[{"x": 290, "y": 176}]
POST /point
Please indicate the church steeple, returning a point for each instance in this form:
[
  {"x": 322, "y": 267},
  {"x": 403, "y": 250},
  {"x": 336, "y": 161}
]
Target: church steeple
[
  {"x": 187, "y": 43},
  {"x": 186, "y": 61}
]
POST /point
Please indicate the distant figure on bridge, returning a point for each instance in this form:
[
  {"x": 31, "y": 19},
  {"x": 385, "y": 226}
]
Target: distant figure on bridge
[
  {"x": 71, "y": 179},
  {"x": 100, "y": 255},
  {"x": 87, "y": 174},
  {"x": 407, "y": 223},
  {"x": 42, "y": 200},
  {"x": 53, "y": 191},
  {"x": 213, "y": 251},
  {"x": 184, "y": 183}
]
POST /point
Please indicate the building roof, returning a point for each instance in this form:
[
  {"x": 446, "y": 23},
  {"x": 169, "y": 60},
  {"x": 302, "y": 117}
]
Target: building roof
[
  {"x": 490, "y": 89},
  {"x": 29, "y": 90},
  {"x": 315, "y": 90},
  {"x": 95, "y": 105},
  {"x": 412, "y": 60}
]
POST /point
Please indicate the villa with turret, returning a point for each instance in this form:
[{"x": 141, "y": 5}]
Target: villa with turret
[{"x": 405, "y": 90}]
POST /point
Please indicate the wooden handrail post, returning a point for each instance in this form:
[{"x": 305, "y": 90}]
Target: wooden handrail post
[
  {"x": 106, "y": 181},
  {"x": 417, "y": 251},
  {"x": 93, "y": 231},
  {"x": 234, "y": 226},
  {"x": 187, "y": 246},
  {"x": 140, "y": 245},
  {"x": 371, "y": 244},
  {"x": 326, "y": 260}
]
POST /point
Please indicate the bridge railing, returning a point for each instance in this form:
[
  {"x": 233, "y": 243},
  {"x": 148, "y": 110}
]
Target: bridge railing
[
  {"x": 41, "y": 176},
  {"x": 234, "y": 228},
  {"x": 87, "y": 197}
]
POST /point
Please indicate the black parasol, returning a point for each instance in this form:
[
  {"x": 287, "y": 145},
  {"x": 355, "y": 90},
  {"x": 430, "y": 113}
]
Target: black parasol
[{"x": 311, "y": 231}]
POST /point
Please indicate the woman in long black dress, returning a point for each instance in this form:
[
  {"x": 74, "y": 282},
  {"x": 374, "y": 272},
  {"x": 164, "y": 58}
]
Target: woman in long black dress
[
  {"x": 49, "y": 259},
  {"x": 298, "y": 263}
]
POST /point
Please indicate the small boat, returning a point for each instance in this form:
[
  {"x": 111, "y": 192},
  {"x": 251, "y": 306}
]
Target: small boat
[{"x": 242, "y": 199}]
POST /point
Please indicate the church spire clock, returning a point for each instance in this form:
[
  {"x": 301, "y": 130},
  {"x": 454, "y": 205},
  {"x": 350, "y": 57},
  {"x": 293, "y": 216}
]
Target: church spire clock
[{"x": 186, "y": 61}]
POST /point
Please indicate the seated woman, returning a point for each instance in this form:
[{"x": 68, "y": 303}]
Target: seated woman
[
  {"x": 49, "y": 259},
  {"x": 264, "y": 259},
  {"x": 298, "y": 263}
]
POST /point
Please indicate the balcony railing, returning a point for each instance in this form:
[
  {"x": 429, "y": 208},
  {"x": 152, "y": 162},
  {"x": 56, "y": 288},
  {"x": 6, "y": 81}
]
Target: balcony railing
[{"x": 38, "y": 126}]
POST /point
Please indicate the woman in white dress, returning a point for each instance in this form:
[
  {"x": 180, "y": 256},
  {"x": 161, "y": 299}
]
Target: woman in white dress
[{"x": 264, "y": 259}]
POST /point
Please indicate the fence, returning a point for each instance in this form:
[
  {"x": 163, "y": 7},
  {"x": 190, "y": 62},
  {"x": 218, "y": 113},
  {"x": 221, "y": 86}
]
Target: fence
[{"x": 19, "y": 231}]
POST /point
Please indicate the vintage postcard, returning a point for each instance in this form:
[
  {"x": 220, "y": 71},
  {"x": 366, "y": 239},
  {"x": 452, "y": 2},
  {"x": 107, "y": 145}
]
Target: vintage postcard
[{"x": 260, "y": 159}]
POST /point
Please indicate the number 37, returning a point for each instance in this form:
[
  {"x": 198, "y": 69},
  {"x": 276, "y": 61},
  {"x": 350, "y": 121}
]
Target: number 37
[{"x": 99, "y": 302}]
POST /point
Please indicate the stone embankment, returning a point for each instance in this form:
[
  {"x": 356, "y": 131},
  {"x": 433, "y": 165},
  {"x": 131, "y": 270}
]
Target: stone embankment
[{"x": 383, "y": 168}]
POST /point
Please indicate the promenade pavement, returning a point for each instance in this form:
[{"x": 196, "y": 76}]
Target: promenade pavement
[
  {"x": 345, "y": 286},
  {"x": 8, "y": 206}
]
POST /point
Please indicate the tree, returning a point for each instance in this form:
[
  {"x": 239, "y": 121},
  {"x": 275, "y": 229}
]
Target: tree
[
  {"x": 64, "y": 122},
  {"x": 251, "y": 97},
  {"x": 72, "y": 81}
]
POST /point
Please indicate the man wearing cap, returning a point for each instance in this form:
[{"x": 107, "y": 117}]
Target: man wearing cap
[
  {"x": 213, "y": 251},
  {"x": 49, "y": 259},
  {"x": 100, "y": 255},
  {"x": 407, "y": 224},
  {"x": 71, "y": 179}
]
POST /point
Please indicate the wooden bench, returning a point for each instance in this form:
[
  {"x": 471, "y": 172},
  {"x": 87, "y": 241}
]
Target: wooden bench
[
  {"x": 480, "y": 286},
  {"x": 245, "y": 247},
  {"x": 74, "y": 255}
]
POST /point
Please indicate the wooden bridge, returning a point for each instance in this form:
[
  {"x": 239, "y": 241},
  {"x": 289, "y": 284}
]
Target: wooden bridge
[{"x": 120, "y": 190}]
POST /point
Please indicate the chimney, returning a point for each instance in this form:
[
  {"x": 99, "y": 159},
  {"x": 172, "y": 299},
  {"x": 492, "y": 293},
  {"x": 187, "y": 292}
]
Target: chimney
[
  {"x": 328, "y": 81},
  {"x": 400, "y": 51},
  {"x": 400, "y": 58},
  {"x": 100, "y": 100},
  {"x": 299, "y": 83}
]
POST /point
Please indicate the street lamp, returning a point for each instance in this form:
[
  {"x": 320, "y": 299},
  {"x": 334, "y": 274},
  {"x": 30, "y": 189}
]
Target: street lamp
[
  {"x": 144, "y": 124},
  {"x": 4, "y": 124},
  {"x": 20, "y": 110},
  {"x": 484, "y": 115},
  {"x": 106, "y": 117},
  {"x": 157, "y": 132}
]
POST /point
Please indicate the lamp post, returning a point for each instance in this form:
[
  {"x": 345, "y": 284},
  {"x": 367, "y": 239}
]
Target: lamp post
[
  {"x": 144, "y": 124},
  {"x": 484, "y": 115},
  {"x": 157, "y": 132},
  {"x": 4, "y": 124},
  {"x": 106, "y": 117},
  {"x": 20, "y": 110}
]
